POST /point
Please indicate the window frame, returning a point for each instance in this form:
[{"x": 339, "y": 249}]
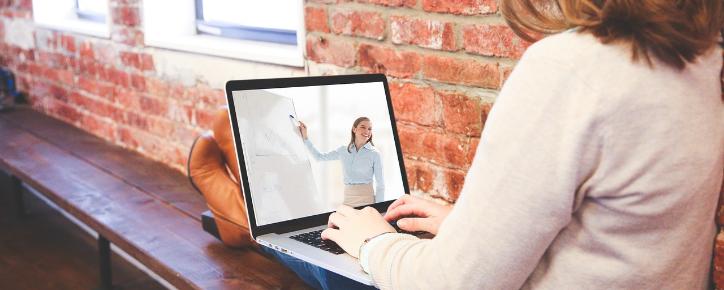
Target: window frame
[
  {"x": 235, "y": 31},
  {"x": 181, "y": 33},
  {"x": 88, "y": 15},
  {"x": 63, "y": 15}
]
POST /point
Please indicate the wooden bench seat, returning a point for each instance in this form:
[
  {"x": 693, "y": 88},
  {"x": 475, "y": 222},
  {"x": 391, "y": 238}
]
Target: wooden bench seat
[{"x": 143, "y": 207}]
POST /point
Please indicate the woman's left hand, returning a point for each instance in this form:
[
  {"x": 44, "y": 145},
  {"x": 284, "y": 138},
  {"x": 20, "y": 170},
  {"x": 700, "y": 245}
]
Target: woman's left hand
[{"x": 354, "y": 226}]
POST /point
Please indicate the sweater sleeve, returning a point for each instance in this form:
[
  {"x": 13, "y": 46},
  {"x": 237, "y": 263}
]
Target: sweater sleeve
[{"x": 538, "y": 146}]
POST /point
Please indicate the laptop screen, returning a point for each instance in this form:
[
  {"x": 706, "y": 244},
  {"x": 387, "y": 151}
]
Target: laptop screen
[{"x": 291, "y": 177}]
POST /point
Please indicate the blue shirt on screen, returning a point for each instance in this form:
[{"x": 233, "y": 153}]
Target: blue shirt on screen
[{"x": 358, "y": 166}]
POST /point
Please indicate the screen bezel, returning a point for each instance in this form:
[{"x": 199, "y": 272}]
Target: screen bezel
[{"x": 256, "y": 84}]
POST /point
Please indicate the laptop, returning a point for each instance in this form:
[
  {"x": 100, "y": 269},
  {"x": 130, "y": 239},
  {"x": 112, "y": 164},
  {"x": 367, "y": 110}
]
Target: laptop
[{"x": 288, "y": 190}]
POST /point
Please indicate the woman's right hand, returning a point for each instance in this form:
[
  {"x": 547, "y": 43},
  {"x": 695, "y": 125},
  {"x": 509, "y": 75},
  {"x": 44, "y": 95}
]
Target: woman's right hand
[
  {"x": 303, "y": 130},
  {"x": 426, "y": 215}
]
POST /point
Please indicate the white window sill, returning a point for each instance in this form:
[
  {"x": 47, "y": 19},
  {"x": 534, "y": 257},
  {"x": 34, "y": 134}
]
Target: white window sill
[
  {"x": 232, "y": 48},
  {"x": 77, "y": 25}
]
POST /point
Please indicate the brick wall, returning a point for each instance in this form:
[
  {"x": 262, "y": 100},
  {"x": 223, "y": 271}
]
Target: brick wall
[{"x": 445, "y": 59}]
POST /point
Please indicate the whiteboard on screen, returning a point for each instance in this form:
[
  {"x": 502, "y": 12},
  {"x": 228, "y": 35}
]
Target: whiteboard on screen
[{"x": 278, "y": 168}]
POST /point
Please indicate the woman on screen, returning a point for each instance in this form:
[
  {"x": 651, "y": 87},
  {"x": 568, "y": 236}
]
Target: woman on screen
[{"x": 360, "y": 161}]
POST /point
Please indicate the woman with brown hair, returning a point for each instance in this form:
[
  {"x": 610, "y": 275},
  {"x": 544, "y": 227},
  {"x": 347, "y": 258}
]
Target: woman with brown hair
[
  {"x": 599, "y": 167},
  {"x": 361, "y": 162}
]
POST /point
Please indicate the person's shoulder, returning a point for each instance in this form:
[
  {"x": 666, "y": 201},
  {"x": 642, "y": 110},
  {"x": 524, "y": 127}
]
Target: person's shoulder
[
  {"x": 342, "y": 148},
  {"x": 568, "y": 48}
]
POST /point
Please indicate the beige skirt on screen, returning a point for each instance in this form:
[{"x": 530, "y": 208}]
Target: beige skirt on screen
[{"x": 359, "y": 194}]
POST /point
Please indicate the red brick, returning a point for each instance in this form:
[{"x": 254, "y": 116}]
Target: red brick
[
  {"x": 62, "y": 110},
  {"x": 393, "y": 62},
  {"x": 420, "y": 175},
  {"x": 143, "y": 141},
  {"x": 147, "y": 63},
  {"x": 125, "y": 2},
  {"x": 160, "y": 127},
  {"x": 153, "y": 106},
  {"x": 485, "y": 111},
  {"x": 504, "y": 74},
  {"x": 94, "y": 105},
  {"x": 130, "y": 59},
  {"x": 454, "y": 180},
  {"x": 129, "y": 137},
  {"x": 156, "y": 87},
  {"x": 54, "y": 60},
  {"x": 89, "y": 67},
  {"x": 65, "y": 77},
  {"x": 493, "y": 40},
  {"x": 718, "y": 266},
  {"x": 414, "y": 103},
  {"x": 126, "y": 98},
  {"x": 100, "y": 127},
  {"x": 461, "y": 114},
  {"x": 173, "y": 155},
  {"x": 120, "y": 78},
  {"x": 135, "y": 120},
  {"x": 472, "y": 149},
  {"x": 315, "y": 19},
  {"x": 68, "y": 43},
  {"x": 327, "y": 1},
  {"x": 86, "y": 50},
  {"x": 105, "y": 72},
  {"x": 426, "y": 33},
  {"x": 49, "y": 74},
  {"x": 180, "y": 113},
  {"x": 125, "y": 15},
  {"x": 24, "y": 4},
  {"x": 204, "y": 118},
  {"x": 57, "y": 92},
  {"x": 461, "y": 71},
  {"x": 106, "y": 91},
  {"x": 460, "y": 7},
  {"x": 358, "y": 23},
  {"x": 28, "y": 54},
  {"x": 127, "y": 36},
  {"x": 185, "y": 135},
  {"x": 210, "y": 97},
  {"x": 454, "y": 150},
  {"x": 337, "y": 52},
  {"x": 435, "y": 147},
  {"x": 391, "y": 3},
  {"x": 138, "y": 82}
]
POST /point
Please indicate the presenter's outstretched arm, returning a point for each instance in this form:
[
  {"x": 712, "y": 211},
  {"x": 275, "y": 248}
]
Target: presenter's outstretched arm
[{"x": 332, "y": 155}]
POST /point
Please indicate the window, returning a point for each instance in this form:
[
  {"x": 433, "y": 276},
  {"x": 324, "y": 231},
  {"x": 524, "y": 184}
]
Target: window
[
  {"x": 92, "y": 10},
  {"x": 270, "y": 31},
  {"x": 81, "y": 16},
  {"x": 228, "y": 18}
]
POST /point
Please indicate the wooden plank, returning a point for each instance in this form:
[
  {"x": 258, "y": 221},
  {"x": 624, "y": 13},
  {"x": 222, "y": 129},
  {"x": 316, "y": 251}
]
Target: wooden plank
[
  {"x": 159, "y": 236},
  {"x": 133, "y": 168},
  {"x": 30, "y": 261}
]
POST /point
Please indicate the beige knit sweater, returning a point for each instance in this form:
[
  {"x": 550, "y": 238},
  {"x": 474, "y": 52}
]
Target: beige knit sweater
[{"x": 593, "y": 172}]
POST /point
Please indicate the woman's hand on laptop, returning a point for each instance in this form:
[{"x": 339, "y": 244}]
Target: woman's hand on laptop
[
  {"x": 416, "y": 214},
  {"x": 349, "y": 227}
]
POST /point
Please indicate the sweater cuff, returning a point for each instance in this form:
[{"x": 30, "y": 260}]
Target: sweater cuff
[
  {"x": 365, "y": 251},
  {"x": 374, "y": 255}
]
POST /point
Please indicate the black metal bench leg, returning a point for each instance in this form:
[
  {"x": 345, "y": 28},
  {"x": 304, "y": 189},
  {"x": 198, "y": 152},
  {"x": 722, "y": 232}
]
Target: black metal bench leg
[
  {"x": 104, "y": 254},
  {"x": 18, "y": 196}
]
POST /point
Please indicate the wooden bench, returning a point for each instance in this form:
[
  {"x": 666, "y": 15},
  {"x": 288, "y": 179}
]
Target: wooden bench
[{"x": 142, "y": 207}]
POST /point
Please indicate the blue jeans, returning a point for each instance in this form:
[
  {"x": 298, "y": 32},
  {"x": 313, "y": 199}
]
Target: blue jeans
[{"x": 315, "y": 276}]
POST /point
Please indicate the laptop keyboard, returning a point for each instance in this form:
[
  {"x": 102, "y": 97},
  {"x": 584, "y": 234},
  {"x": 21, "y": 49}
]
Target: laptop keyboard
[{"x": 314, "y": 239}]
